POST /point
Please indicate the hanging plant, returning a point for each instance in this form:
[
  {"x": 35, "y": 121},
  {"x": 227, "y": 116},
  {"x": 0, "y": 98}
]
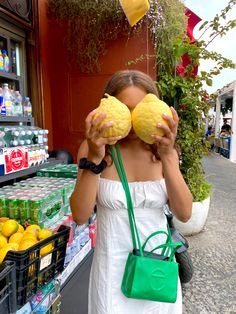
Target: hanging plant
[{"x": 92, "y": 23}]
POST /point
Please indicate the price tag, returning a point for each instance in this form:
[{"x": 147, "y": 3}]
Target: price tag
[{"x": 45, "y": 261}]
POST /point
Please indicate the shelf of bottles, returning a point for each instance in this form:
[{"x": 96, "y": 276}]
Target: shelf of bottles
[
  {"x": 12, "y": 102},
  {"x": 22, "y": 147}
]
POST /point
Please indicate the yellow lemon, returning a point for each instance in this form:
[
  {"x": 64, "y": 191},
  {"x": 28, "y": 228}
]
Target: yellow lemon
[
  {"x": 46, "y": 249},
  {"x": 26, "y": 243},
  {"x": 3, "y": 240},
  {"x": 117, "y": 112},
  {"x": 7, "y": 247},
  {"x": 9, "y": 227},
  {"x": 146, "y": 115},
  {"x": 3, "y": 253},
  {"x": 28, "y": 235},
  {"x": 33, "y": 229},
  {"x": 20, "y": 228},
  {"x": 12, "y": 246},
  {"x": 1, "y": 224},
  {"x": 3, "y": 219},
  {"x": 44, "y": 233},
  {"x": 16, "y": 237}
]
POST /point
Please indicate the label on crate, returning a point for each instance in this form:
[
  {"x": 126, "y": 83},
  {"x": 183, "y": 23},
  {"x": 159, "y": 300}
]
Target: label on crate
[
  {"x": 15, "y": 159},
  {"x": 45, "y": 261}
]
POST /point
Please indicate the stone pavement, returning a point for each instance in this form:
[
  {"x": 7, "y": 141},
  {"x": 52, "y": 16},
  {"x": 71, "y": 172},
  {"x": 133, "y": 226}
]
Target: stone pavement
[{"x": 213, "y": 251}]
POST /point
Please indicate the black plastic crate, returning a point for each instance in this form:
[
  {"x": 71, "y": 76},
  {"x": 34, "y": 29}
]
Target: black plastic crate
[
  {"x": 7, "y": 288},
  {"x": 34, "y": 271}
]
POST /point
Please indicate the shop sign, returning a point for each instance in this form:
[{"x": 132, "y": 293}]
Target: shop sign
[{"x": 13, "y": 159}]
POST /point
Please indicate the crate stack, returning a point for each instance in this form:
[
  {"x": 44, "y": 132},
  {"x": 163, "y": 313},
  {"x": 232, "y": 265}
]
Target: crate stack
[{"x": 31, "y": 278}]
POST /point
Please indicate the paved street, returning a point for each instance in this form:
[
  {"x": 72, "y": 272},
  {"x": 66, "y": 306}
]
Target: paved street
[{"x": 213, "y": 251}]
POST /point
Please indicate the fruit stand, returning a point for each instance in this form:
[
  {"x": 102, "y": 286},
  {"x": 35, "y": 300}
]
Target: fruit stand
[{"x": 40, "y": 246}]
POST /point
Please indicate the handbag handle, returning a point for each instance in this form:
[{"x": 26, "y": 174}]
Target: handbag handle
[{"x": 169, "y": 245}]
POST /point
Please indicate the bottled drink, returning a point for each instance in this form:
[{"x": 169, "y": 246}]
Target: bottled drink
[
  {"x": 14, "y": 143},
  {"x": 1, "y": 62},
  {"x": 7, "y": 99},
  {"x": 17, "y": 109},
  {"x": 28, "y": 137},
  {"x": 2, "y": 105},
  {"x": 6, "y": 63},
  {"x": 27, "y": 107},
  {"x": 13, "y": 63}
]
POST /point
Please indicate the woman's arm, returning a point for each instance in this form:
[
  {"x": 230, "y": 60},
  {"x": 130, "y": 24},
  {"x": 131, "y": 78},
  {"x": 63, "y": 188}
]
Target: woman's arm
[
  {"x": 82, "y": 200},
  {"x": 180, "y": 198}
]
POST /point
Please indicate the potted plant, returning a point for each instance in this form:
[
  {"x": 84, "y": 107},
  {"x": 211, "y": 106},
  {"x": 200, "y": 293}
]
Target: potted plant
[{"x": 184, "y": 89}]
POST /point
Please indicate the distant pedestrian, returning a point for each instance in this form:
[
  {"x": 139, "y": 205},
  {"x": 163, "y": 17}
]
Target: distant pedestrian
[{"x": 208, "y": 132}]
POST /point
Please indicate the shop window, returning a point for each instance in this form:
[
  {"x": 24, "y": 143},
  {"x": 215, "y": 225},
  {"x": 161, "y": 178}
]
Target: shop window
[{"x": 12, "y": 47}]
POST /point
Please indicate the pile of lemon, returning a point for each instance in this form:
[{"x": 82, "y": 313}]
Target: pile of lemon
[{"x": 14, "y": 237}]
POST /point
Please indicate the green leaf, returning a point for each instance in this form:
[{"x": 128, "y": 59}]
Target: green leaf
[{"x": 209, "y": 82}]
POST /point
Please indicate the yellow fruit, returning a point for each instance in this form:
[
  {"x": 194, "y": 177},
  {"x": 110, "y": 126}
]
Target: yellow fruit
[
  {"x": 44, "y": 233},
  {"x": 3, "y": 253},
  {"x": 7, "y": 247},
  {"x": 3, "y": 240},
  {"x": 28, "y": 235},
  {"x": 46, "y": 249},
  {"x": 26, "y": 243},
  {"x": 20, "y": 228},
  {"x": 1, "y": 224},
  {"x": 12, "y": 246},
  {"x": 33, "y": 229},
  {"x": 3, "y": 219},
  {"x": 146, "y": 115},
  {"x": 9, "y": 227},
  {"x": 117, "y": 112},
  {"x": 16, "y": 237}
]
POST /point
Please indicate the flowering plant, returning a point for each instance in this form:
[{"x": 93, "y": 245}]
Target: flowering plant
[{"x": 184, "y": 89}]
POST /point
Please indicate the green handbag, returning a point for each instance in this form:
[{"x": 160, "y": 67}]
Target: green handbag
[{"x": 147, "y": 275}]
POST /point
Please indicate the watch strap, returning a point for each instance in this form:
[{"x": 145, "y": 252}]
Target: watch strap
[{"x": 84, "y": 163}]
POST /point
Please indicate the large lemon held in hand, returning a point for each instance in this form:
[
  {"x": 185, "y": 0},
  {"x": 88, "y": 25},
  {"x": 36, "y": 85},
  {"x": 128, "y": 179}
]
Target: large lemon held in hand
[
  {"x": 146, "y": 115},
  {"x": 117, "y": 112}
]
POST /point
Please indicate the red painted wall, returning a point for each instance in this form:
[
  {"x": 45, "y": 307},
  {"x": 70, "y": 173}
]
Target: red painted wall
[{"x": 70, "y": 95}]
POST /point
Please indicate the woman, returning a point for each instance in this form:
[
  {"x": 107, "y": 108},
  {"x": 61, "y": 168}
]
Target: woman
[{"x": 154, "y": 180}]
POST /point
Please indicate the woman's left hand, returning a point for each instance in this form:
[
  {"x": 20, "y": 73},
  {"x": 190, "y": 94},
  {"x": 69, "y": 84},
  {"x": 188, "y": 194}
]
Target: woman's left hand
[{"x": 166, "y": 142}]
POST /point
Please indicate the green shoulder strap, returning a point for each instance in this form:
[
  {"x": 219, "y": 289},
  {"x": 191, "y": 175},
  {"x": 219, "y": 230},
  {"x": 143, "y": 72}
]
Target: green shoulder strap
[{"x": 169, "y": 245}]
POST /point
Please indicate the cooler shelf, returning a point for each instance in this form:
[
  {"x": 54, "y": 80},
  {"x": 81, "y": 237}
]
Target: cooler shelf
[{"x": 26, "y": 172}]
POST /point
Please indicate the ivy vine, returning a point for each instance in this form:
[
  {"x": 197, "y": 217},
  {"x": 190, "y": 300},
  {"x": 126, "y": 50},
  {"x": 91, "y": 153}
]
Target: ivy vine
[{"x": 92, "y": 23}]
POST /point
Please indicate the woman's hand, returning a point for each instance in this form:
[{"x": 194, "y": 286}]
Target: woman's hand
[
  {"x": 166, "y": 143},
  {"x": 96, "y": 142}
]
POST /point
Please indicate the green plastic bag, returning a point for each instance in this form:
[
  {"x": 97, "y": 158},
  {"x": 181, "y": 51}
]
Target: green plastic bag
[{"x": 147, "y": 275}]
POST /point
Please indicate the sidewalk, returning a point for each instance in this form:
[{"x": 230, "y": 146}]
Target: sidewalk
[{"x": 213, "y": 251}]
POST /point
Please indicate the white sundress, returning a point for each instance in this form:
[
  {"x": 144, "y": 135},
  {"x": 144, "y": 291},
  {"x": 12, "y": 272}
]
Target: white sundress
[{"x": 114, "y": 243}]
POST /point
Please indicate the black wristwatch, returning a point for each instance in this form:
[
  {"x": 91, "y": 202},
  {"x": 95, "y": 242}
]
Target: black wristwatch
[{"x": 84, "y": 163}]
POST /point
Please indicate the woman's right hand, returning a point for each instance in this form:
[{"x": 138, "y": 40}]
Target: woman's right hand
[{"x": 96, "y": 142}]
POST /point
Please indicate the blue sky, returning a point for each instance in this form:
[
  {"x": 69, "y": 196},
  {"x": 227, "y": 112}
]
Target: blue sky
[{"x": 206, "y": 10}]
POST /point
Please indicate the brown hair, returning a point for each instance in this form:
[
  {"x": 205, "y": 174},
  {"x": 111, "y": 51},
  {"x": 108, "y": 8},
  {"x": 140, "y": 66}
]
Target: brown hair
[{"x": 122, "y": 79}]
